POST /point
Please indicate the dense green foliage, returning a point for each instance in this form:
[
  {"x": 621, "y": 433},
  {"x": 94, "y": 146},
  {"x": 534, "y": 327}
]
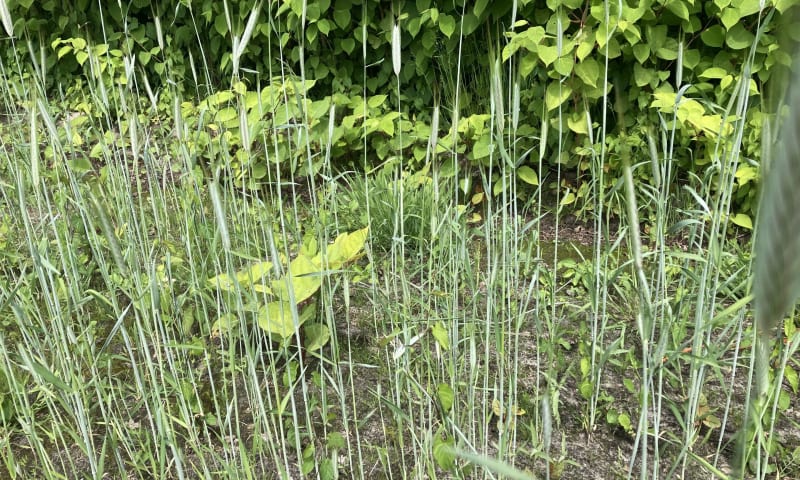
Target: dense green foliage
[{"x": 665, "y": 56}]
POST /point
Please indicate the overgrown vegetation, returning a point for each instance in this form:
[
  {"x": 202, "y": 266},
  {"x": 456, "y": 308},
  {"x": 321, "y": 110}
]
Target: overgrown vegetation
[{"x": 351, "y": 240}]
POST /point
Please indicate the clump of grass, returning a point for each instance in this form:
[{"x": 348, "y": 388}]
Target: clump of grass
[{"x": 373, "y": 199}]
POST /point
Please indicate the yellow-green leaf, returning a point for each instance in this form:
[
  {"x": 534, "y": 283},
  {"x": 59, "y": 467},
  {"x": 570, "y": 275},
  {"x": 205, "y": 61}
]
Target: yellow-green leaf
[
  {"x": 346, "y": 248},
  {"x": 440, "y": 334},
  {"x": 588, "y": 71},
  {"x": 568, "y": 199},
  {"x": 305, "y": 279},
  {"x": 742, "y": 220},
  {"x": 679, "y": 9},
  {"x": 547, "y": 54},
  {"x": 577, "y": 123},
  {"x": 225, "y": 324},
  {"x": 447, "y": 24},
  {"x": 276, "y": 317},
  {"x": 483, "y": 147},
  {"x": 445, "y": 394},
  {"x": 556, "y": 94},
  {"x": 527, "y": 175}
]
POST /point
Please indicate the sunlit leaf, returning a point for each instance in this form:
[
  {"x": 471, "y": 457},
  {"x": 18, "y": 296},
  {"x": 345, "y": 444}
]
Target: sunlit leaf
[
  {"x": 742, "y": 220},
  {"x": 304, "y": 277},
  {"x": 443, "y": 452},
  {"x": 276, "y": 317},
  {"x": 527, "y": 175},
  {"x": 346, "y": 248},
  {"x": 440, "y": 334}
]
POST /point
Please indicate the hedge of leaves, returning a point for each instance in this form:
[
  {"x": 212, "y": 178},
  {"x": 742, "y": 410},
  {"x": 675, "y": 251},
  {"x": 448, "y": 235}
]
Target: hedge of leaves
[{"x": 677, "y": 65}]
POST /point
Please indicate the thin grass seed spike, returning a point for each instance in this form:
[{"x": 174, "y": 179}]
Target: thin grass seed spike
[
  {"x": 777, "y": 269},
  {"x": 777, "y": 263}
]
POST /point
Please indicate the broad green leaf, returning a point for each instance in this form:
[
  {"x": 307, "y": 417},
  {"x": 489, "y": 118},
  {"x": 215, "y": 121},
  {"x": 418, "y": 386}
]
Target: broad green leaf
[
  {"x": 577, "y": 123},
  {"x": 223, "y": 281},
  {"x": 81, "y": 56},
  {"x": 790, "y": 374},
  {"x": 386, "y": 125},
  {"x": 527, "y": 63},
  {"x": 745, "y": 173},
  {"x": 469, "y": 23},
  {"x": 784, "y": 400},
  {"x": 742, "y": 220},
  {"x": 443, "y": 452},
  {"x": 80, "y": 164},
  {"x": 346, "y": 248},
  {"x": 713, "y": 36},
  {"x": 348, "y": 45},
  {"x": 305, "y": 278},
  {"x": 335, "y": 441},
  {"x": 547, "y": 54},
  {"x": 445, "y": 395},
  {"x": 642, "y": 52},
  {"x": 556, "y": 94},
  {"x": 738, "y": 38},
  {"x": 221, "y": 26},
  {"x": 498, "y": 187},
  {"x": 749, "y": 7},
  {"x": 713, "y": 72},
  {"x": 528, "y": 175},
  {"x": 642, "y": 76},
  {"x": 227, "y": 117},
  {"x": 376, "y": 101},
  {"x": 312, "y": 31},
  {"x": 668, "y": 53},
  {"x": 691, "y": 58},
  {"x": 589, "y": 71},
  {"x": 440, "y": 334},
  {"x": 585, "y": 47},
  {"x": 730, "y": 17},
  {"x": 483, "y": 147},
  {"x": 679, "y": 9},
  {"x": 63, "y": 51},
  {"x": 564, "y": 65},
  {"x": 226, "y": 323},
  {"x": 317, "y": 335},
  {"x": 342, "y": 18},
  {"x": 782, "y": 6},
  {"x": 447, "y": 25},
  {"x": 78, "y": 43},
  {"x": 276, "y": 317},
  {"x": 247, "y": 277},
  {"x": 625, "y": 421},
  {"x": 480, "y": 6}
]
